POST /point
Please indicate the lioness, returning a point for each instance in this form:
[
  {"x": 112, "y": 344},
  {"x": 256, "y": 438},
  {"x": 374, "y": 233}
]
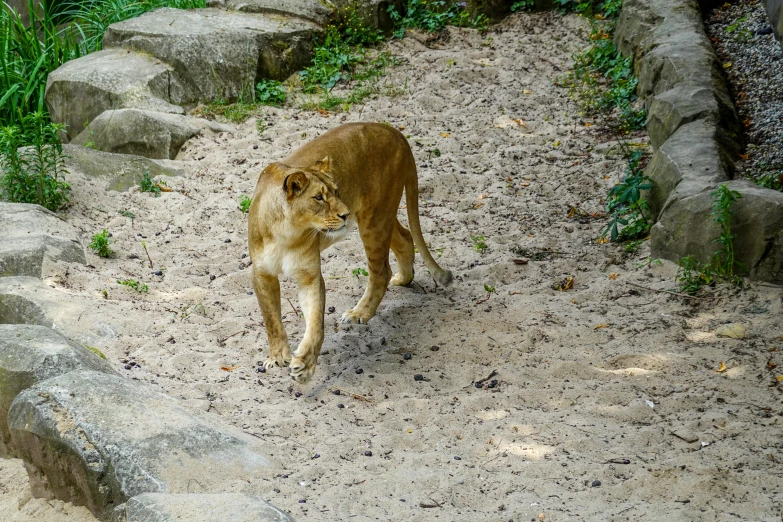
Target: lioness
[{"x": 354, "y": 173}]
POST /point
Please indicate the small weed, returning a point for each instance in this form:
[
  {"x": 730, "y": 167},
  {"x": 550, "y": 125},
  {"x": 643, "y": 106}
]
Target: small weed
[
  {"x": 100, "y": 244},
  {"x": 126, "y": 213},
  {"x": 626, "y": 206},
  {"x": 94, "y": 350},
  {"x": 633, "y": 246},
  {"x": 234, "y": 112},
  {"x": 522, "y": 5},
  {"x": 136, "y": 285},
  {"x": 359, "y": 271},
  {"x": 489, "y": 290},
  {"x": 244, "y": 203},
  {"x": 147, "y": 184},
  {"x": 479, "y": 244},
  {"x": 270, "y": 92}
]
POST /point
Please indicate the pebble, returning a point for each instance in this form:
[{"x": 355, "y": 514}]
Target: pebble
[
  {"x": 368, "y": 453},
  {"x": 317, "y": 456},
  {"x": 435, "y": 348},
  {"x": 418, "y": 377},
  {"x": 255, "y": 147},
  {"x": 596, "y": 483},
  {"x": 261, "y": 369},
  {"x": 457, "y": 457},
  {"x": 341, "y": 405},
  {"x": 298, "y": 394},
  {"x": 227, "y": 241},
  {"x": 158, "y": 272},
  {"x": 211, "y": 277},
  {"x": 331, "y": 309},
  {"x": 492, "y": 383},
  {"x": 302, "y": 501},
  {"x": 359, "y": 371},
  {"x": 407, "y": 356}
]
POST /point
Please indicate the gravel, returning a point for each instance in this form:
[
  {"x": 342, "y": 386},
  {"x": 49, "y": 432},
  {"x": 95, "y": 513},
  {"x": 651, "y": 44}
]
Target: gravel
[{"x": 753, "y": 61}]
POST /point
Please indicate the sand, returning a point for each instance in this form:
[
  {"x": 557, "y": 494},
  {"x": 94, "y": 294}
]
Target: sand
[{"x": 603, "y": 401}]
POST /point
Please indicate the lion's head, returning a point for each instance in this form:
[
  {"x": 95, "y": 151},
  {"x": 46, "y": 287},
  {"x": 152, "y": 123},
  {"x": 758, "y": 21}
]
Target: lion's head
[{"x": 312, "y": 197}]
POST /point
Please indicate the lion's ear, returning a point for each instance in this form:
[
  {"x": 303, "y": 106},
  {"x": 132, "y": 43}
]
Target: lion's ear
[
  {"x": 323, "y": 165},
  {"x": 295, "y": 184}
]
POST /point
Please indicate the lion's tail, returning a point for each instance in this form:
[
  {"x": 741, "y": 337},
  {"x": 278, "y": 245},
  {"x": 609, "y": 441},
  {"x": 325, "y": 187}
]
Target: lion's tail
[{"x": 443, "y": 277}]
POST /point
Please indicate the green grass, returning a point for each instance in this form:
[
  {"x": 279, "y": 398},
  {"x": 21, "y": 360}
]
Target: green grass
[
  {"x": 244, "y": 203},
  {"x": 147, "y": 184},
  {"x": 479, "y": 244},
  {"x": 434, "y": 15},
  {"x": 136, "y": 285},
  {"x": 270, "y": 92},
  {"x": 100, "y": 244}
]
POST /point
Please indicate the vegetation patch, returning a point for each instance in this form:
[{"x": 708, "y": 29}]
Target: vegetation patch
[{"x": 100, "y": 244}]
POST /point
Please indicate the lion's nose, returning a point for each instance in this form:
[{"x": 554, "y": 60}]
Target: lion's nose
[{"x": 344, "y": 217}]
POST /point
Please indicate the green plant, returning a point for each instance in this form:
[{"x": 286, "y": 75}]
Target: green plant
[
  {"x": 523, "y": 5},
  {"x": 33, "y": 174},
  {"x": 126, "y": 213},
  {"x": 359, "y": 271},
  {"x": 147, "y": 184},
  {"x": 478, "y": 244},
  {"x": 693, "y": 275},
  {"x": 136, "y": 285},
  {"x": 433, "y": 16},
  {"x": 244, "y": 203},
  {"x": 270, "y": 92},
  {"x": 626, "y": 206},
  {"x": 100, "y": 244}
]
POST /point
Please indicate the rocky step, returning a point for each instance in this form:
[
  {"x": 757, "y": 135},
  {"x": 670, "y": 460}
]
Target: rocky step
[
  {"x": 217, "y": 54},
  {"x": 226, "y": 507},
  {"x": 30, "y": 354},
  {"x": 313, "y": 10},
  {"x": 32, "y": 238},
  {"x": 97, "y": 440},
  {"x": 144, "y": 133},
  {"x": 79, "y": 90}
]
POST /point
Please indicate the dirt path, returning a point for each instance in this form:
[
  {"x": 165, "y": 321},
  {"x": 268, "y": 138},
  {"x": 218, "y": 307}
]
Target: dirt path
[{"x": 601, "y": 402}]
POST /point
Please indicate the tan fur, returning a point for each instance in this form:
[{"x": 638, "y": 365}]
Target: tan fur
[{"x": 359, "y": 171}]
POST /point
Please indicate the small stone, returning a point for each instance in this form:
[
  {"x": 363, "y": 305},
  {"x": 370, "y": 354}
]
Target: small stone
[
  {"x": 596, "y": 483},
  {"x": 249, "y": 292},
  {"x": 359, "y": 371},
  {"x": 302, "y": 501},
  {"x": 407, "y": 356},
  {"x": 261, "y": 369},
  {"x": 336, "y": 392},
  {"x": 317, "y": 456},
  {"x": 732, "y": 330},
  {"x": 276, "y": 490},
  {"x": 331, "y": 309},
  {"x": 457, "y": 457},
  {"x": 341, "y": 405},
  {"x": 158, "y": 272},
  {"x": 368, "y": 453},
  {"x": 255, "y": 147},
  {"x": 133, "y": 256},
  {"x": 211, "y": 277},
  {"x": 298, "y": 394},
  {"x": 128, "y": 366},
  {"x": 434, "y": 348},
  {"x": 227, "y": 241},
  {"x": 418, "y": 377},
  {"x": 243, "y": 256},
  {"x": 492, "y": 383}
]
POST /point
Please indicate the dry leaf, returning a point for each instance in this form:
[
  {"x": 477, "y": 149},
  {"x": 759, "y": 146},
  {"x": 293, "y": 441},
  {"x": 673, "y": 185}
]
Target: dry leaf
[
  {"x": 746, "y": 123},
  {"x": 483, "y": 196},
  {"x": 588, "y": 124},
  {"x": 602, "y": 240},
  {"x": 727, "y": 65},
  {"x": 565, "y": 284},
  {"x": 571, "y": 212},
  {"x": 445, "y": 134},
  {"x": 401, "y": 127},
  {"x": 526, "y": 91},
  {"x": 602, "y": 325},
  {"x": 524, "y": 184},
  {"x": 541, "y": 516},
  {"x": 606, "y": 177},
  {"x": 478, "y": 205},
  {"x": 722, "y": 367},
  {"x": 229, "y": 368},
  {"x": 743, "y": 156},
  {"x": 779, "y": 378},
  {"x": 520, "y": 261},
  {"x": 771, "y": 365},
  {"x": 521, "y": 123},
  {"x": 613, "y": 276}
]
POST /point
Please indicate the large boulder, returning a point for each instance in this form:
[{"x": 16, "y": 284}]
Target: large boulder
[
  {"x": 692, "y": 152},
  {"x": 312, "y": 10},
  {"x": 32, "y": 237},
  {"x": 226, "y": 507},
  {"x": 31, "y": 354},
  {"x": 150, "y": 134},
  {"x": 119, "y": 171},
  {"x": 219, "y": 55},
  {"x": 97, "y": 440},
  {"x": 81, "y": 89}
]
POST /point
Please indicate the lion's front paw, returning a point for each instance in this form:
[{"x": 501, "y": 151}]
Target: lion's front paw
[
  {"x": 352, "y": 316},
  {"x": 302, "y": 370},
  {"x": 281, "y": 360}
]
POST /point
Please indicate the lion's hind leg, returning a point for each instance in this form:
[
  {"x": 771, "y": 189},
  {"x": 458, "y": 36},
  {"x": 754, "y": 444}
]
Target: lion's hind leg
[{"x": 402, "y": 246}]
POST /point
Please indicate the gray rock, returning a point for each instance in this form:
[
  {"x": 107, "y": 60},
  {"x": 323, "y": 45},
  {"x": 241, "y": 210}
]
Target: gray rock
[
  {"x": 120, "y": 171},
  {"x": 775, "y": 12},
  {"x": 219, "y": 55},
  {"x": 28, "y": 300},
  {"x": 144, "y": 133},
  {"x": 81, "y": 89},
  {"x": 312, "y": 10},
  {"x": 97, "y": 440},
  {"x": 31, "y": 237},
  {"x": 686, "y": 227},
  {"x": 227, "y": 507},
  {"x": 693, "y": 153},
  {"x": 31, "y": 354}
]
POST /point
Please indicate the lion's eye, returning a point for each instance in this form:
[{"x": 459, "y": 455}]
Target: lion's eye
[{"x": 319, "y": 197}]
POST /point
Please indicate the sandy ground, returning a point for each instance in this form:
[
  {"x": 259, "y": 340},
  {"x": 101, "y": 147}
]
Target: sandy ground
[{"x": 604, "y": 402}]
